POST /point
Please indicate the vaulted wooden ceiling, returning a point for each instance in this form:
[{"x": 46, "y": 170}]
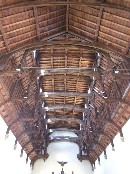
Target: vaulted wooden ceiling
[{"x": 65, "y": 65}]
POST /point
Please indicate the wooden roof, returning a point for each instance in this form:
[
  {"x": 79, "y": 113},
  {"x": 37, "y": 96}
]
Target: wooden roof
[{"x": 64, "y": 65}]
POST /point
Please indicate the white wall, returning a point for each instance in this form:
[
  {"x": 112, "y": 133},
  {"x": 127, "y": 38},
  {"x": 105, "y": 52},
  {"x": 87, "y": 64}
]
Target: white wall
[
  {"x": 62, "y": 151},
  {"x": 10, "y": 162},
  {"x": 118, "y": 161}
]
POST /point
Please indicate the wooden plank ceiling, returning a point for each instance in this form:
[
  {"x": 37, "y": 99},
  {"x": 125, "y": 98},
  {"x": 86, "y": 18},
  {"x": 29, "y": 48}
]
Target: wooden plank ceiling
[{"x": 64, "y": 65}]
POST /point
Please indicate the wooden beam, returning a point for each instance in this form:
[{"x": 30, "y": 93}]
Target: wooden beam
[
  {"x": 98, "y": 23},
  {"x": 53, "y": 120},
  {"x": 67, "y": 17},
  {"x": 37, "y": 23},
  {"x": 4, "y": 36},
  {"x": 82, "y": 45},
  {"x": 82, "y": 71},
  {"x": 66, "y": 138},
  {"x": 127, "y": 47},
  {"x": 63, "y": 130},
  {"x": 85, "y": 71},
  {"x": 46, "y": 94},
  {"x": 47, "y": 108},
  {"x": 55, "y": 3},
  {"x": 69, "y": 44},
  {"x": 109, "y": 121},
  {"x": 5, "y": 102}
]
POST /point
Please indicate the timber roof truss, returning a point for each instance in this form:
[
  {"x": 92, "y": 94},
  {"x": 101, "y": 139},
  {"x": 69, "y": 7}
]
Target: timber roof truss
[{"x": 64, "y": 66}]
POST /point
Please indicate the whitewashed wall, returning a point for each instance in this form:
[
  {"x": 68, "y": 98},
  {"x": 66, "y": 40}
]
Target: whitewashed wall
[
  {"x": 10, "y": 162},
  {"x": 118, "y": 161},
  {"x": 62, "y": 151}
]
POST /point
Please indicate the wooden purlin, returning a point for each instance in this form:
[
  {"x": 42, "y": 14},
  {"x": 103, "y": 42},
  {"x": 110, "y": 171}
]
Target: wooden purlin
[
  {"x": 57, "y": 3},
  {"x": 127, "y": 47},
  {"x": 84, "y": 45},
  {"x": 98, "y": 23},
  {"x": 65, "y": 82},
  {"x": 37, "y": 24},
  {"x": 67, "y": 17},
  {"x": 4, "y": 36}
]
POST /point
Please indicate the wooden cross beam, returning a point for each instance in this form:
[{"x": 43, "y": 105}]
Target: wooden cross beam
[
  {"x": 82, "y": 71},
  {"x": 52, "y": 94},
  {"x": 66, "y": 138},
  {"x": 55, "y": 3},
  {"x": 54, "y": 107},
  {"x": 43, "y": 44},
  {"x": 53, "y": 120}
]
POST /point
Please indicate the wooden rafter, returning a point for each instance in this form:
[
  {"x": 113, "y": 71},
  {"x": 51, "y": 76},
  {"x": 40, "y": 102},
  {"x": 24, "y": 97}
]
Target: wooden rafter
[
  {"x": 98, "y": 23},
  {"x": 46, "y": 94},
  {"x": 51, "y": 3},
  {"x": 77, "y": 84},
  {"x": 4, "y": 36},
  {"x": 37, "y": 24},
  {"x": 127, "y": 47},
  {"x": 67, "y": 18},
  {"x": 67, "y": 44}
]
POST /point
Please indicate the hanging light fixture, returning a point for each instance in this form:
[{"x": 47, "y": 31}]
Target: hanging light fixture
[
  {"x": 92, "y": 167},
  {"x": 105, "y": 154},
  {"x": 113, "y": 148},
  {"x": 21, "y": 153},
  {"x": 121, "y": 136},
  {"x": 98, "y": 160},
  {"x": 27, "y": 159},
  {"x": 7, "y": 133},
  {"x": 15, "y": 145}
]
